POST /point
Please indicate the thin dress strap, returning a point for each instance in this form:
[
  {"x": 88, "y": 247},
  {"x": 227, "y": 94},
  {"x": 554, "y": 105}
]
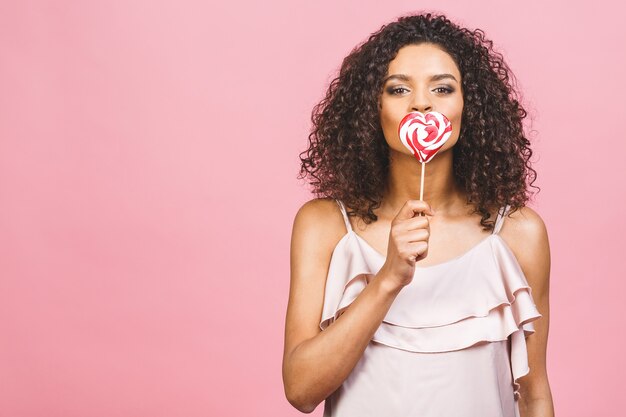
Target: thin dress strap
[
  {"x": 345, "y": 215},
  {"x": 502, "y": 212}
]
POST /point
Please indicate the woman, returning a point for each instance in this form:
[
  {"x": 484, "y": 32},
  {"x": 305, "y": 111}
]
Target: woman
[{"x": 382, "y": 320}]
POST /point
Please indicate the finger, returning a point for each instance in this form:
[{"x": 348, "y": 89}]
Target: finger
[
  {"x": 411, "y": 207},
  {"x": 417, "y": 222},
  {"x": 416, "y": 250},
  {"x": 418, "y": 235}
]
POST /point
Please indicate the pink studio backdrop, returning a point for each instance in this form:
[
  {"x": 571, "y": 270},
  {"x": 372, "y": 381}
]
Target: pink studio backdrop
[{"x": 148, "y": 162}]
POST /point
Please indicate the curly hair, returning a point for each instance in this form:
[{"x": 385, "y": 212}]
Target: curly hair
[{"x": 348, "y": 157}]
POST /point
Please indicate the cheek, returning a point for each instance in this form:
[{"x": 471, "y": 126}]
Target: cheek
[
  {"x": 457, "y": 116},
  {"x": 389, "y": 126},
  {"x": 388, "y": 121},
  {"x": 459, "y": 112}
]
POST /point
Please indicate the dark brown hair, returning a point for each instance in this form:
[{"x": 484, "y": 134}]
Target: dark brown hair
[{"x": 348, "y": 157}]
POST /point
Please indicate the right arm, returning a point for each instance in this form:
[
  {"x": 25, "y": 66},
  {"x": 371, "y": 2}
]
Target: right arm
[{"x": 315, "y": 362}]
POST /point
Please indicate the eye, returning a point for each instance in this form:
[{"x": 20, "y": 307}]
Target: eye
[
  {"x": 396, "y": 90},
  {"x": 446, "y": 90}
]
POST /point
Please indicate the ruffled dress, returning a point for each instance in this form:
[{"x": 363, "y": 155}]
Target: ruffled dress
[{"x": 453, "y": 343}]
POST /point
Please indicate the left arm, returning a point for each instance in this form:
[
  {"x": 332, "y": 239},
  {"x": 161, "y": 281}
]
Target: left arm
[{"x": 529, "y": 242}]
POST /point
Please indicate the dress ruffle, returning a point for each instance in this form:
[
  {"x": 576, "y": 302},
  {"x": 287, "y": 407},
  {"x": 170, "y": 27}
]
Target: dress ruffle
[{"x": 443, "y": 309}]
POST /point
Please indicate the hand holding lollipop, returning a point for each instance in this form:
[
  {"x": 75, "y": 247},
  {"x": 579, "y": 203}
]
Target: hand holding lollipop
[{"x": 424, "y": 135}]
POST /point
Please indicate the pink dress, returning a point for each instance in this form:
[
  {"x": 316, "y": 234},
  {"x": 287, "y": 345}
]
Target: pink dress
[{"x": 453, "y": 342}]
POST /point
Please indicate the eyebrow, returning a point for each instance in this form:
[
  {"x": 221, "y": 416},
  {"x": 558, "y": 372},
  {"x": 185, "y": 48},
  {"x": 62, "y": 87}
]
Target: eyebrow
[{"x": 404, "y": 77}]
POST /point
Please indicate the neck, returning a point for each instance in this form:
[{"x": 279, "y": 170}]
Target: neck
[{"x": 441, "y": 191}]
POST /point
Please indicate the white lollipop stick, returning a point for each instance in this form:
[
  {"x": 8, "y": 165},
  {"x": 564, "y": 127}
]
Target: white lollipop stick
[{"x": 424, "y": 135}]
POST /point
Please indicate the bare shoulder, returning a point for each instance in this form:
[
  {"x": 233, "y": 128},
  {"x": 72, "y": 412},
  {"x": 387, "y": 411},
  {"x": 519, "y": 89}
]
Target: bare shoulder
[
  {"x": 526, "y": 234},
  {"x": 524, "y": 223},
  {"x": 317, "y": 228},
  {"x": 321, "y": 217}
]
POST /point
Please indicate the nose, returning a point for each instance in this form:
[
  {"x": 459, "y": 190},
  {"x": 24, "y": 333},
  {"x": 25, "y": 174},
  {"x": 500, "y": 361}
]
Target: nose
[{"x": 421, "y": 102}]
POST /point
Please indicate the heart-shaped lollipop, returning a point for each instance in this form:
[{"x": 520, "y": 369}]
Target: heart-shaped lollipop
[{"x": 424, "y": 134}]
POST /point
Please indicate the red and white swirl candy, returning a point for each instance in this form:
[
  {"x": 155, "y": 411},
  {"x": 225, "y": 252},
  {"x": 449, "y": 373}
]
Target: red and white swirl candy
[{"x": 424, "y": 134}]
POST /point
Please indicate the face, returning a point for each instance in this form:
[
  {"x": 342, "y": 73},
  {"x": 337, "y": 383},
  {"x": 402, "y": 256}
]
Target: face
[{"x": 420, "y": 78}]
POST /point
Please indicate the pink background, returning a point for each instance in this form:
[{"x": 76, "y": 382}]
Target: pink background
[{"x": 148, "y": 163}]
